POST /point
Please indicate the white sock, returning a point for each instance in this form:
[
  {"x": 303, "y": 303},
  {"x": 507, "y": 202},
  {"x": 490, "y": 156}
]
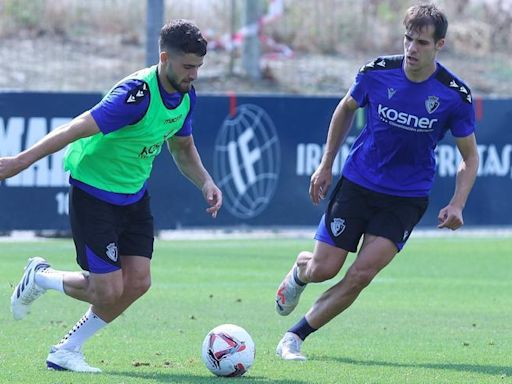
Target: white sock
[
  {"x": 49, "y": 278},
  {"x": 87, "y": 326}
]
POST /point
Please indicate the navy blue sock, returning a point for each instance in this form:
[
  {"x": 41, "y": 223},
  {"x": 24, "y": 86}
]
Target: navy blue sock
[
  {"x": 296, "y": 277},
  {"x": 302, "y": 329}
]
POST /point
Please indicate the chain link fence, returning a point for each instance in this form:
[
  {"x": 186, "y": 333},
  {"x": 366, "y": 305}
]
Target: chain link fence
[{"x": 307, "y": 47}]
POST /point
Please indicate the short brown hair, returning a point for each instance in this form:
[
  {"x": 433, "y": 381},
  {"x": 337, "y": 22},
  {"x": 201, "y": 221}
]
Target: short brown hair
[
  {"x": 419, "y": 16},
  {"x": 182, "y": 36}
]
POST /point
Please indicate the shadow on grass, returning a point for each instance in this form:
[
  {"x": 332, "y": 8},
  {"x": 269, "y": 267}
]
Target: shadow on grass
[
  {"x": 183, "y": 379},
  {"x": 485, "y": 369}
]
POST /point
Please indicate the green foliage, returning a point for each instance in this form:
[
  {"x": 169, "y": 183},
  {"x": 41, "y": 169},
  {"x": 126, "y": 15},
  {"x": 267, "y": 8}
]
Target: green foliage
[
  {"x": 440, "y": 313},
  {"x": 26, "y": 14}
]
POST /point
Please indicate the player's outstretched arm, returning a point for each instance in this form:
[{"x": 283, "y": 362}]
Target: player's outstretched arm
[
  {"x": 451, "y": 215},
  {"x": 81, "y": 126},
  {"x": 186, "y": 157},
  {"x": 339, "y": 127}
]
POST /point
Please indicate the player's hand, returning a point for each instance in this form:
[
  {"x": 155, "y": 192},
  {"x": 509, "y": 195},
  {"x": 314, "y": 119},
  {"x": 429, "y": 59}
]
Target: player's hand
[
  {"x": 450, "y": 217},
  {"x": 213, "y": 196},
  {"x": 319, "y": 184}
]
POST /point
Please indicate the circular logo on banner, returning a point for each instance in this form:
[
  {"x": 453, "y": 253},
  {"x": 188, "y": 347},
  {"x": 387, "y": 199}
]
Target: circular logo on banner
[{"x": 247, "y": 160}]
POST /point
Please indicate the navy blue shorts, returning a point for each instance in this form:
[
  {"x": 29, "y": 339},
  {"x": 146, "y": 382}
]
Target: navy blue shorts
[
  {"x": 354, "y": 211},
  {"x": 103, "y": 232}
]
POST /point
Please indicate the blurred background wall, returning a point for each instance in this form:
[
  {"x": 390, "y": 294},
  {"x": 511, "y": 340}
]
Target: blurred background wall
[{"x": 304, "y": 46}]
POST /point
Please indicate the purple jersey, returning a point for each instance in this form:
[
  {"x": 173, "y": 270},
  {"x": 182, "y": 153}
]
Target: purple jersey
[
  {"x": 394, "y": 153},
  {"x": 124, "y": 105}
]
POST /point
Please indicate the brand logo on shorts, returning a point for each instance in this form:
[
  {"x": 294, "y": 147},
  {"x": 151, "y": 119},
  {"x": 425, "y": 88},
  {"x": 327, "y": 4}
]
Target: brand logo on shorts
[
  {"x": 112, "y": 252},
  {"x": 406, "y": 235},
  {"x": 337, "y": 226}
]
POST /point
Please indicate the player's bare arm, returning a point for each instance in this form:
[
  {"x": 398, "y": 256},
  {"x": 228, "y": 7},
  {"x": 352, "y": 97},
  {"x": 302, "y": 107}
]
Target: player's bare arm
[
  {"x": 451, "y": 215},
  {"x": 81, "y": 126},
  {"x": 186, "y": 157},
  {"x": 339, "y": 127}
]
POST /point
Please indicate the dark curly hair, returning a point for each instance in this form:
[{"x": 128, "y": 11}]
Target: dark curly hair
[{"x": 182, "y": 36}]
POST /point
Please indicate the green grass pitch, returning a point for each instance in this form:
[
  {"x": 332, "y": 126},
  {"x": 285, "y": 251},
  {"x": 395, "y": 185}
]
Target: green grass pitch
[{"x": 441, "y": 312}]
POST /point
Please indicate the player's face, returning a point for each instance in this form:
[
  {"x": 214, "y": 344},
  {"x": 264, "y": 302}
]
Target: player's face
[
  {"x": 181, "y": 70},
  {"x": 420, "y": 51}
]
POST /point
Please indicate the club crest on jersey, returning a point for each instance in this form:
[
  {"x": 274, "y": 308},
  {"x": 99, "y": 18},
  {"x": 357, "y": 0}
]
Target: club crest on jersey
[
  {"x": 337, "y": 226},
  {"x": 432, "y": 103},
  {"x": 112, "y": 252}
]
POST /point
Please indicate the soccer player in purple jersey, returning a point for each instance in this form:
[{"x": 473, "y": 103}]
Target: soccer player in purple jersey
[
  {"x": 111, "y": 149},
  {"x": 411, "y": 101}
]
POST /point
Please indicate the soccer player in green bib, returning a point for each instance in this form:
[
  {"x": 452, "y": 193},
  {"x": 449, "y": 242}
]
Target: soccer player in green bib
[{"x": 110, "y": 155}]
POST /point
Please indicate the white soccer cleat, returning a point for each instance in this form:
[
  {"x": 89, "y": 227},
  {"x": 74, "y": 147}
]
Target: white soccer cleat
[
  {"x": 288, "y": 294},
  {"x": 66, "y": 360},
  {"x": 289, "y": 347},
  {"x": 27, "y": 290}
]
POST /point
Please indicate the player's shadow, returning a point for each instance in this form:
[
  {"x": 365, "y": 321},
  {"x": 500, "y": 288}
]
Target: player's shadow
[
  {"x": 191, "y": 379},
  {"x": 476, "y": 368}
]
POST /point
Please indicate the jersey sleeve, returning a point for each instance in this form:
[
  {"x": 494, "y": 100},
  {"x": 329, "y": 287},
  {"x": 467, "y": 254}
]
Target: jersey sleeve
[
  {"x": 124, "y": 105},
  {"x": 359, "y": 89},
  {"x": 186, "y": 130},
  {"x": 462, "y": 121}
]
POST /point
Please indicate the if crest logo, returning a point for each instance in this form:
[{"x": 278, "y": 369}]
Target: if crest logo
[
  {"x": 243, "y": 158},
  {"x": 247, "y": 161}
]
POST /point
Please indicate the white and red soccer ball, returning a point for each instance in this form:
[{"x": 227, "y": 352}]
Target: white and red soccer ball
[{"x": 228, "y": 350}]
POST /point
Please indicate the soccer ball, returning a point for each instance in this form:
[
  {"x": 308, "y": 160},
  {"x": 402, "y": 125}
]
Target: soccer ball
[{"x": 228, "y": 350}]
